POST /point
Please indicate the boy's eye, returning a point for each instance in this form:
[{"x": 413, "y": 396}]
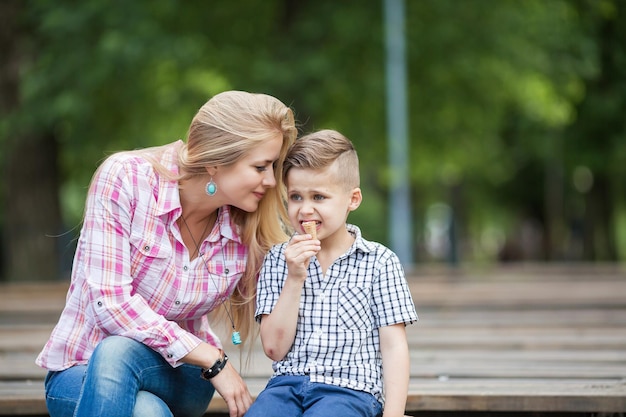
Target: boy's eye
[
  {"x": 318, "y": 197},
  {"x": 295, "y": 197}
]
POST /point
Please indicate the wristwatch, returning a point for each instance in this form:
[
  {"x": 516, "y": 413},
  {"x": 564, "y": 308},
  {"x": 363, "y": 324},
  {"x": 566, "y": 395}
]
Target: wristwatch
[{"x": 219, "y": 364}]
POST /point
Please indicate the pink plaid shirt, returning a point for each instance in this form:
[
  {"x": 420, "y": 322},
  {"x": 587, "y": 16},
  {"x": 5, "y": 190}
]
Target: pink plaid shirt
[{"x": 132, "y": 275}]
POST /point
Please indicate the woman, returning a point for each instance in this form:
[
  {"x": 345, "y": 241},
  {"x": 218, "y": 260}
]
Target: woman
[{"x": 170, "y": 234}]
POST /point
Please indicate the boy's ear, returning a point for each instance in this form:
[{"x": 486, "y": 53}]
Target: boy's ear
[{"x": 355, "y": 199}]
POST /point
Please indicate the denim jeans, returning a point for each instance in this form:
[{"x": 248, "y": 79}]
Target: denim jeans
[
  {"x": 296, "y": 396},
  {"x": 125, "y": 378}
]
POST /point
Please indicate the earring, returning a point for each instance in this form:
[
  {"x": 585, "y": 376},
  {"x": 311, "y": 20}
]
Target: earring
[{"x": 211, "y": 188}]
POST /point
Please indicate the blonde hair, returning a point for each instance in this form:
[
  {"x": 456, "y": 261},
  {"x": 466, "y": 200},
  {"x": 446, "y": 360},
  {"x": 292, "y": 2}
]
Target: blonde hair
[
  {"x": 225, "y": 129},
  {"x": 322, "y": 149}
]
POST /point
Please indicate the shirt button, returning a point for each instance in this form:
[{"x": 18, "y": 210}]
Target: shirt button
[
  {"x": 320, "y": 332},
  {"x": 185, "y": 268},
  {"x": 177, "y": 302},
  {"x": 169, "y": 355},
  {"x": 99, "y": 303},
  {"x": 146, "y": 248}
]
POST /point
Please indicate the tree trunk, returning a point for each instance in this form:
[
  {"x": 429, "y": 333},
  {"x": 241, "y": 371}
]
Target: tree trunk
[
  {"x": 554, "y": 226},
  {"x": 596, "y": 136},
  {"x": 29, "y": 194},
  {"x": 600, "y": 243}
]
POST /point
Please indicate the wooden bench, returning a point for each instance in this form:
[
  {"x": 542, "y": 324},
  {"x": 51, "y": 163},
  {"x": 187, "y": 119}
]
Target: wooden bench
[{"x": 520, "y": 339}]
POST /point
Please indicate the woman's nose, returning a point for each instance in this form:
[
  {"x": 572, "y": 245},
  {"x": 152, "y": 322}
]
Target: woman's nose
[{"x": 269, "y": 180}]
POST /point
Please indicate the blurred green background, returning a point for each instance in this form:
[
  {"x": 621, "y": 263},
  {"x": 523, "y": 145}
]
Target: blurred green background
[{"x": 517, "y": 112}]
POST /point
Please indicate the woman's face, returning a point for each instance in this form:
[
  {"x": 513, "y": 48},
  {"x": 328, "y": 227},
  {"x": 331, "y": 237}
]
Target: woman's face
[{"x": 244, "y": 183}]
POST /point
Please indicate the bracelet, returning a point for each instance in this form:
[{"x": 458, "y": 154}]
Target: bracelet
[{"x": 219, "y": 364}]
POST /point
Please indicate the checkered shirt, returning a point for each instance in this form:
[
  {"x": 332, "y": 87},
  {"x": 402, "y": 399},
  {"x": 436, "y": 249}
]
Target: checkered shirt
[{"x": 337, "y": 340}]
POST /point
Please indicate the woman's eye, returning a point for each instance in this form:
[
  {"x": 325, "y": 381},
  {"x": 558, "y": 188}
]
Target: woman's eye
[{"x": 261, "y": 168}]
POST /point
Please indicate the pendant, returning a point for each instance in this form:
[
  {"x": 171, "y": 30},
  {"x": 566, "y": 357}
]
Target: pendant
[
  {"x": 211, "y": 187},
  {"x": 236, "y": 338}
]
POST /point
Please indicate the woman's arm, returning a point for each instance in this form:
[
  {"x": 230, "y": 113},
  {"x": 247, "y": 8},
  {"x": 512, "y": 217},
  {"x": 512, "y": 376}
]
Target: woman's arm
[{"x": 396, "y": 363}]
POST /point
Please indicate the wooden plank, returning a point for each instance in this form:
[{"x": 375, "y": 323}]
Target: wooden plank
[
  {"x": 22, "y": 338},
  {"x": 607, "y": 396},
  {"x": 490, "y": 295},
  {"x": 22, "y": 398},
  {"x": 508, "y": 317},
  {"x": 594, "y": 395},
  {"x": 522, "y": 339}
]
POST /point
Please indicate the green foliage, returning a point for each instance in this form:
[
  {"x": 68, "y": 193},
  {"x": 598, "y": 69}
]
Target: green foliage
[{"x": 493, "y": 87}]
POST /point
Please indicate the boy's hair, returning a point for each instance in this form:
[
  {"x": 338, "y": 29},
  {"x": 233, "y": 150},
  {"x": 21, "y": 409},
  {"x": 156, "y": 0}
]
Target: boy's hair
[{"x": 321, "y": 149}]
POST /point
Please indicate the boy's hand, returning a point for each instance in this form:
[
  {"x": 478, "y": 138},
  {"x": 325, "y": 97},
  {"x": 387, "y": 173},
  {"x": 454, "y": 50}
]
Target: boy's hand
[{"x": 298, "y": 254}]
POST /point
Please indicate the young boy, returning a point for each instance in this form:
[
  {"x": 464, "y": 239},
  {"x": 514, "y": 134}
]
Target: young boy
[{"x": 332, "y": 308}]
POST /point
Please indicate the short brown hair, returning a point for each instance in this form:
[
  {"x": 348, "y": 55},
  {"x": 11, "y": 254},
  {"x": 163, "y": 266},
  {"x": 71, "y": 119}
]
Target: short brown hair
[{"x": 322, "y": 149}]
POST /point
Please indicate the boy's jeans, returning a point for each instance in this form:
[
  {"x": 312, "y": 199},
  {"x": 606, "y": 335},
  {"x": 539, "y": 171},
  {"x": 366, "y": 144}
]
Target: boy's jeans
[
  {"x": 296, "y": 396},
  {"x": 125, "y": 378}
]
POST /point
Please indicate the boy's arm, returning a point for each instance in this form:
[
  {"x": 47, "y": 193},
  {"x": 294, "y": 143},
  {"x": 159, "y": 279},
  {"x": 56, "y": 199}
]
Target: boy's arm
[
  {"x": 395, "y": 353},
  {"x": 278, "y": 329}
]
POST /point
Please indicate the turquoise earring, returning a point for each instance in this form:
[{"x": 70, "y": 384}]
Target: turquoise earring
[{"x": 211, "y": 187}]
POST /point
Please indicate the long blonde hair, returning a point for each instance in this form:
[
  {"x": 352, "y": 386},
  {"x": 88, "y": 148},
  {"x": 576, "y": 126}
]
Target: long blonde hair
[{"x": 225, "y": 129}]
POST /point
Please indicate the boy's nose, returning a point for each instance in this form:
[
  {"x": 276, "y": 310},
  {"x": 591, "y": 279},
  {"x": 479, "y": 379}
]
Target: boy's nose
[{"x": 307, "y": 207}]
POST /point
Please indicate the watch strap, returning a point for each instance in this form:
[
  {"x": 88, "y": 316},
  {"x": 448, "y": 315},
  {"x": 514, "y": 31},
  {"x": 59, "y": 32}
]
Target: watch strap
[{"x": 219, "y": 364}]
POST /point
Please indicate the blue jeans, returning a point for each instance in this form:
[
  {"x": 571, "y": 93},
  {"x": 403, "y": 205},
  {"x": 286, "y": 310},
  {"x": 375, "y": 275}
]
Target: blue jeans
[
  {"x": 296, "y": 396},
  {"x": 125, "y": 378}
]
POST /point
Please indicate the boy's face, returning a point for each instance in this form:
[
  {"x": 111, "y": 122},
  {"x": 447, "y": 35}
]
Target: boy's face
[{"x": 318, "y": 195}]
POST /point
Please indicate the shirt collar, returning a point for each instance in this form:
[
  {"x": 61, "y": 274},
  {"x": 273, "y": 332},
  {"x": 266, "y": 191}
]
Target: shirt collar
[
  {"x": 227, "y": 228},
  {"x": 360, "y": 243},
  {"x": 168, "y": 199}
]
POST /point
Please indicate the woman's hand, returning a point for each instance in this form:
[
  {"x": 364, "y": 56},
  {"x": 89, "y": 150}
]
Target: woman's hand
[{"x": 229, "y": 384}]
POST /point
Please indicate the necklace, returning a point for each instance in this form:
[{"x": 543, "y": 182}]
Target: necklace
[
  {"x": 236, "y": 337},
  {"x": 197, "y": 249}
]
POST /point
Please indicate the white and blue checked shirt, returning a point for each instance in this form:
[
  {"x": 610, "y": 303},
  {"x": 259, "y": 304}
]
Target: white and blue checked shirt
[{"x": 337, "y": 340}]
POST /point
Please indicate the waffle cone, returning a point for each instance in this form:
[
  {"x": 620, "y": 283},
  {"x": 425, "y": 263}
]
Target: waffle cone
[{"x": 310, "y": 228}]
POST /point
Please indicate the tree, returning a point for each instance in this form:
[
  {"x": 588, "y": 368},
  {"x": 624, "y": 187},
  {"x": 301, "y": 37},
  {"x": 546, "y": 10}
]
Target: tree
[
  {"x": 31, "y": 211},
  {"x": 493, "y": 89},
  {"x": 595, "y": 140}
]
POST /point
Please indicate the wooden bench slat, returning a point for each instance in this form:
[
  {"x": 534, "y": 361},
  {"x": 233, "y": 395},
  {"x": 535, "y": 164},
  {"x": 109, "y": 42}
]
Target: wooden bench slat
[
  {"x": 562, "y": 395},
  {"x": 514, "y": 339}
]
